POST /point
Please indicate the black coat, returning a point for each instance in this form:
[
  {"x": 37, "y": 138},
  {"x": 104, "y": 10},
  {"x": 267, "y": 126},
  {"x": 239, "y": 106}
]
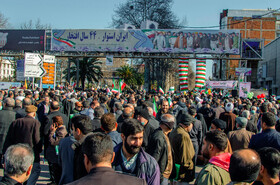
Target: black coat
[
  {"x": 6, "y": 118},
  {"x": 79, "y": 167},
  {"x": 6, "y": 180},
  {"x": 107, "y": 176},
  {"x": 158, "y": 149},
  {"x": 148, "y": 130},
  {"x": 25, "y": 130}
]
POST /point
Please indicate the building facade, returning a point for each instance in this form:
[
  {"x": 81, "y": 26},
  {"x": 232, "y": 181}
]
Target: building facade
[
  {"x": 257, "y": 28},
  {"x": 269, "y": 69},
  {"x": 6, "y": 69}
]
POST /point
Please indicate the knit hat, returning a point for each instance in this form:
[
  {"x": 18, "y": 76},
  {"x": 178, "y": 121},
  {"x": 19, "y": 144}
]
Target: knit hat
[
  {"x": 219, "y": 124},
  {"x": 30, "y": 108},
  {"x": 142, "y": 111},
  {"x": 242, "y": 122},
  {"x": 229, "y": 107},
  {"x": 186, "y": 119}
]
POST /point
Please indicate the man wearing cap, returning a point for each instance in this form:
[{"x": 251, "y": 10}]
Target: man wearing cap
[
  {"x": 159, "y": 147},
  {"x": 183, "y": 148},
  {"x": 228, "y": 117},
  {"x": 142, "y": 115},
  {"x": 240, "y": 138},
  {"x": 218, "y": 124},
  {"x": 27, "y": 130}
]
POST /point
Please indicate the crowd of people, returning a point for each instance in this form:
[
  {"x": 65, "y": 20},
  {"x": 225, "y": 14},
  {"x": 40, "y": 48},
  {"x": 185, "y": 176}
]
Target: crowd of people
[
  {"x": 195, "y": 40},
  {"x": 90, "y": 137}
]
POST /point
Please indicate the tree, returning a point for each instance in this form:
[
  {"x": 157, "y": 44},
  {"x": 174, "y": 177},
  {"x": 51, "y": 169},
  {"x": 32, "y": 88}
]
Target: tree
[
  {"x": 89, "y": 69},
  {"x": 130, "y": 76},
  {"x": 136, "y": 11},
  {"x": 37, "y": 25},
  {"x": 3, "y": 21}
]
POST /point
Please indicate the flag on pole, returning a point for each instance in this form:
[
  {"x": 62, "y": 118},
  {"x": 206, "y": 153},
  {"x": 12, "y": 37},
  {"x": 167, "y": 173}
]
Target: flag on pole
[
  {"x": 170, "y": 102},
  {"x": 161, "y": 90},
  {"x": 113, "y": 85},
  {"x": 154, "y": 107},
  {"x": 114, "y": 90},
  {"x": 121, "y": 85},
  {"x": 108, "y": 90},
  {"x": 25, "y": 84}
]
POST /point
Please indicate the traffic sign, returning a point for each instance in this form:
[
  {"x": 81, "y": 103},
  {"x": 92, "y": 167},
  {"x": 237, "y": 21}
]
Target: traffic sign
[
  {"x": 34, "y": 71},
  {"x": 50, "y": 67},
  {"x": 33, "y": 59},
  {"x": 33, "y": 65}
]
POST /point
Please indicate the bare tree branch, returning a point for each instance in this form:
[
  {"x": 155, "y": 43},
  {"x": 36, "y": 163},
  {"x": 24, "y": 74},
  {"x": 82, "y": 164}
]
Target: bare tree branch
[
  {"x": 136, "y": 11},
  {"x": 3, "y": 21}
]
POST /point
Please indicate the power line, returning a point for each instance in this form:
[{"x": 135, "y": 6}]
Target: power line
[{"x": 232, "y": 23}]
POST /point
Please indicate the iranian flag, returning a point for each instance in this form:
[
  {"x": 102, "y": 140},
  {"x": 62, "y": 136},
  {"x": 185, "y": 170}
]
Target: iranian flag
[
  {"x": 108, "y": 90},
  {"x": 113, "y": 85},
  {"x": 154, "y": 107},
  {"x": 114, "y": 90},
  {"x": 170, "y": 102},
  {"x": 122, "y": 85},
  {"x": 161, "y": 90}
]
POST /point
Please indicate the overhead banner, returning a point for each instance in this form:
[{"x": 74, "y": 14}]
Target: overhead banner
[
  {"x": 221, "y": 84},
  {"x": 173, "y": 41},
  {"x": 244, "y": 89},
  {"x": 243, "y": 71},
  {"x": 9, "y": 85},
  {"x": 22, "y": 40}
]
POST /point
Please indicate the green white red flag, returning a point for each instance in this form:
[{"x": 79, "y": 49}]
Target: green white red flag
[
  {"x": 161, "y": 90},
  {"x": 154, "y": 108}
]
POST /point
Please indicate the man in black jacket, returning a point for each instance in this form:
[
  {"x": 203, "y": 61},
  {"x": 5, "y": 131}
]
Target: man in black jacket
[
  {"x": 159, "y": 147},
  {"x": 143, "y": 117},
  {"x": 98, "y": 155},
  {"x": 82, "y": 127},
  {"x": 27, "y": 130},
  {"x": 7, "y": 116}
]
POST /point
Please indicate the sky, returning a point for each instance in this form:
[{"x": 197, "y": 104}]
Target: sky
[{"x": 97, "y": 14}]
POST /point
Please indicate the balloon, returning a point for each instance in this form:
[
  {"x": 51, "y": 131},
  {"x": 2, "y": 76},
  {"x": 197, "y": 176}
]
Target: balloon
[
  {"x": 250, "y": 95},
  {"x": 259, "y": 96},
  {"x": 262, "y": 95}
]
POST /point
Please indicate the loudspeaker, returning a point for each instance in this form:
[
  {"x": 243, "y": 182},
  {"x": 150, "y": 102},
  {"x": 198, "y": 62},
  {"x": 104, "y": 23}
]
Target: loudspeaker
[{"x": 234, "y": 93}]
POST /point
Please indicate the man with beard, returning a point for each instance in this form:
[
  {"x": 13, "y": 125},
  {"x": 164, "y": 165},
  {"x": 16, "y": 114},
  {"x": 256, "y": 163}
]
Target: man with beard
[
  {"x": 130, "y": 158},
  {"x": 163, "y": 110},
  {"x": 216, "y": 171}
]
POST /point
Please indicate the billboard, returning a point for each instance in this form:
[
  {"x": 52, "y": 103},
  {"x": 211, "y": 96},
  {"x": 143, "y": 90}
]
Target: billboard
[
  {"x": 147, "y": 41},
  {"x": 19, "y": 40},
  {"x": 9, "y": 85},
  {"x": 244, "y": 71},
  {"x": 48, "y": 80},
  {"x": 244, "y": 89},
  {"x": 221, "y": 84},
  {"x": 20, "y": 70}
]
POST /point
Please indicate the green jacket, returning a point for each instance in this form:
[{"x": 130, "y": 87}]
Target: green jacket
[
  {"x": 183, "y": 152},
  {"x": 214, "y": 175}
]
